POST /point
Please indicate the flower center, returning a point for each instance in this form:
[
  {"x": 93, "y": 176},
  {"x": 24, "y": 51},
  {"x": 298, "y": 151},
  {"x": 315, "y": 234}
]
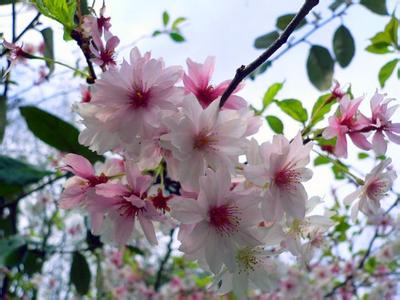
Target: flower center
[
  {"x": 287, "y": 178},
  {"x": 139, "y": 99},
  {"x": 127, "y": 209},
  {"x": 376, "y": 190},
  {"x": 246, "y": 260},
  {"x": 160, "y": 201},
  {"x": 107, "y": 56},
  {"x": 206, "y": 96},
  {"x": 225, "y": 218},
  {"x": 95, "y": 180},
  {"x": 203, "y": 141}
]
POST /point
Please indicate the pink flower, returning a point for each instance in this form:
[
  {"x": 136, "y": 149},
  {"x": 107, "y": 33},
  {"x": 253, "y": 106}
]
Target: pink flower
[
  {"x": 381, "y": 114},
  {"x": 346, "y": 122},
  {"x": 204, "y": 138},
  {"x": 280, "y": 170},
  {"x": 79, "y": 190},
  {"x": 123, "y": 204},
  {"x": 104, "y": 55},
  {"x": 377, "y": 184},
  {"x": 131, "y": 99},
  {"x": 78, "y": 187},
  {"x": 198, "y": 83},
  {"x": 219, "y": 219}
]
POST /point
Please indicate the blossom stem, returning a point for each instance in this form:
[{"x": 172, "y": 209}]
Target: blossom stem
[
  {"x": 342, "y": 168},
  {"x": 244, "y": 71},
  {"x": 46, "y": 59}
]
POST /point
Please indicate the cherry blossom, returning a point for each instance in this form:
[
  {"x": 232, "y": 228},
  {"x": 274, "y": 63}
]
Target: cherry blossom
[
  {"x": 80, "y": 190},
  {"x": 346, "y": 122},
  {"x": 377, "y": 184},
  {"x": 280, "y": 171},
  {"x": 123, "y": 204},
  {"x": 132, "y": 97},
  {"x": 380, "y": 120},
  {"x": 221, "y": 218},
  {"x": 254, "y": 267},
  {"x": 204, "y": 138},
  {"x": 197, "y": 81}
]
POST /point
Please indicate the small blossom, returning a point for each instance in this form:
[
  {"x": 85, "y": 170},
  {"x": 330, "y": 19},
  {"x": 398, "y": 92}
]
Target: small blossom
[
  {"x": 380, "y": 120},
  {"x": 377, "y": 184},
  {"x": 198, "y": 79},
  {"x": 347, "y": 122}
]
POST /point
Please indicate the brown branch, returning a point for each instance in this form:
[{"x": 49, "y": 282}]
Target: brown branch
[{"x": 244, "y": 71}]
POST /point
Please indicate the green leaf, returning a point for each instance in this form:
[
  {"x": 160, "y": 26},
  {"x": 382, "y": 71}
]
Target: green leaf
[
  {"x": 266, "y": 40},
  {"x": 56, "y": 132},
  {"x": 392, "y": 29},
  {"x": 381, "y": 38},
  {"x": 376, "y": 6},
  {"x": 283, "y": 21},
  {"x": 336, "y": 4},
  {"x": 84, "y": 7},
  {"x": 156, "y": 32},
  {"x": 4, "y": 2},
  {"x": 386, "y": 71},
  {"x": 379, "y": 48},
  {"x": 80, "y": 273},
  {"x": 15, "y": 174},
  {"x": 343, "y": 46},
  {"x": 321, "y": 160},
  {"x": 177, "y": 22},
  {"x": 177, "y": 37},
  {"x": 63, "y": 11},
  {"x": 3, "y": 117},
  {"x": 33, "y": 262},
  {"x": 271, "y": 93},
  {"x": 363, "y": 155},
  {"x": 339, "y": 172},
  {"x": 8, "y": 245},
  {"x": 320, "y": 67},
  {"x": 275, "y": 124},
  {"x": 165, "y": 18},
  {"x": 321, "y": 107},
  {"x": 47, "y": 34},
  {"x": 260, "y": 70},
  {"x": 293, "y": 108},
  {"x": 370, "y": 265}
]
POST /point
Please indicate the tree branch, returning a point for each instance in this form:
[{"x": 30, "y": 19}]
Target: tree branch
[
  {"x": 244, "y": 71},
  {"x": 157, "y": 284}
]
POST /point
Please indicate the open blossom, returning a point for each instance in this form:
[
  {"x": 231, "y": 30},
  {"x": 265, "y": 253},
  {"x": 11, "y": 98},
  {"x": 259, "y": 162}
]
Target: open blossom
[
  {"x": 80, "y": 189},
  {"x": 346, "y": 121},
  {"x": 203, "y": 138},
  {"x": 129, "y": 102},
  {"x": 305, "y": 235},
  {"x": 198, "y": 79},
  {"x": 220, "y": 219},
  {"x": 281, "y": 170},
  {"x": 376, "y": 185},
  {"x": 104, "y": 55},
  {"x": 124, "y": 203},
  {"x": 254, "y": 268},
  {"x": 380, "y": 120}
]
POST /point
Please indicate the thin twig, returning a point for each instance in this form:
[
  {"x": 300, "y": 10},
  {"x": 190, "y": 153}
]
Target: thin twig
[
  {"x": 157, "y": 283},
  {"x": 244, "y": 71}
]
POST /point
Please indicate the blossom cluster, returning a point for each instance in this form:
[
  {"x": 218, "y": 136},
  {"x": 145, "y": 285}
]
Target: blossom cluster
[
  {"x": 349, "y": 121},
  {"x": 233, "y": 217}
]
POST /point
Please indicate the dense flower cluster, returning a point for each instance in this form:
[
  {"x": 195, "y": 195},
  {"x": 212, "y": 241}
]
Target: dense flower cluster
[{"x": 234, "y": 218}]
